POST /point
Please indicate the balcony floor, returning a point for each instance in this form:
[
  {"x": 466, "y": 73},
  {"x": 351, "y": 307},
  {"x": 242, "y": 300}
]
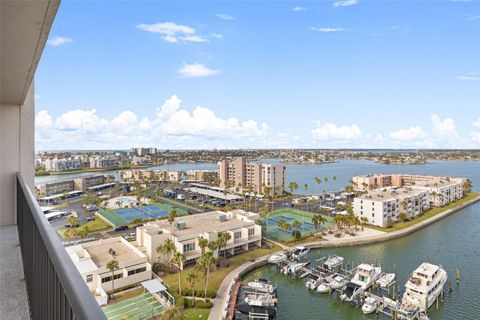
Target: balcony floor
[{"x": 13, "y": 295}]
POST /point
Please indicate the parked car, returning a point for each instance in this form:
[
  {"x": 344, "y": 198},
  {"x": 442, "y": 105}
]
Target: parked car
[
  {"x": 90, "y": 218},
  {"x": 121, "y": 228}
]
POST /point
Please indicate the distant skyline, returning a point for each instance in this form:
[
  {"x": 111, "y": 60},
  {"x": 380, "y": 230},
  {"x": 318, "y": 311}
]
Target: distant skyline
[{"x": 203, "y": 75}]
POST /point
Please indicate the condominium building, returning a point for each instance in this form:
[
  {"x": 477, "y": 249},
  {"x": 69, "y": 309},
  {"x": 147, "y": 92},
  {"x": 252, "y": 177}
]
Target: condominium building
[
  {"x": 443, "y": 190},
  {"x": 382, "y": 207},
  {"x": 140, "y": 151},
  {"x": 79, "y": 184},
  {"x": 245, "y": 234},
  {"x": 198, "y": 175},
  {"x": 91, "y": 259},
  {"x": 241, "y": 174},
  {"x": 56, "y": 164},
  {"x": 152, "y": 175},
  {"x": 102, "y": 162}
]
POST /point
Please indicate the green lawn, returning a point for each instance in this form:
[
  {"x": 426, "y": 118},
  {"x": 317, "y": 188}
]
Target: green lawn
[
  {"x": 127, "y": 294},
  {"x": 216, "y": 276},
  {"x": 429, "y": 214},
  {"x": 196, "y": 314},
  {"x": 94, "y": 226}
]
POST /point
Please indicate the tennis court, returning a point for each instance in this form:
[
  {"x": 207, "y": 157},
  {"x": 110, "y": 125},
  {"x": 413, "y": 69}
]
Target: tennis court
[
  {"x": 137, "y": 308},
  {"x": 290, "y": 215},
  {"x": 125, "y": 216}
]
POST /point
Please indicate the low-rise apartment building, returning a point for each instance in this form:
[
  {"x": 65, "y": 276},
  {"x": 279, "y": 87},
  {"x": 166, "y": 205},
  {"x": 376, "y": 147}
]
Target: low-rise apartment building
[
  {"x": 152, "y": 175},
  {"x": 102, "y": 162},
  {"x": 382, "y": 207},
  {"x": 245, "y": 234},
  {"x": 91, "y": 259},
  {"x": 79, "y": 184},
  {"x": 56, "y": 164},
  {"x": 240, "y": 174}
]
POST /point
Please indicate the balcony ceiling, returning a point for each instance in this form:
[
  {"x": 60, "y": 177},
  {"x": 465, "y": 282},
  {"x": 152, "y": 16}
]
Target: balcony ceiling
[{"x": 24, "y": 29}]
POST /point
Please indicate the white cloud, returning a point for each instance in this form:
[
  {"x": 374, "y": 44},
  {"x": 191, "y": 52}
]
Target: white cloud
[
  {"x": 330, "y": 131},
  {"x": 172, "y": 32},
  {"x": 444, "y": 128},
  {"x": 327, "y": 29},
  {"x": 196, "y": 70},
  {"x": 299, "y": 9},
  {"x": 412, "y": 133},
  {"x": 58, "y": 41},
  {"x": 475, "y": 137},
  {"x": 468, "y": 77},
  {"x": 344, "y": 3},
  {"x": 477, "y": 123},
  {"x": 172, "y": 126},
  {"x": 224, "y": 16}
]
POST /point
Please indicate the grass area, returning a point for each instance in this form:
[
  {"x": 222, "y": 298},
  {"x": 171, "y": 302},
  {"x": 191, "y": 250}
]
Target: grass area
[
  {"x": 429, "y": 214},
  {"x": 127, "y": 294},
  {"x": 216, "y": 276},
  {"x": 196, "y": 314},
  {"x": 94, "y": 226}
]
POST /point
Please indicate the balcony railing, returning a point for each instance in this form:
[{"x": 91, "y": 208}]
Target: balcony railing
[{"x": 55, "y": 290}]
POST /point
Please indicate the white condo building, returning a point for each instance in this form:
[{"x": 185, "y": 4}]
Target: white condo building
[
  {"x": 91, "y": 260},
  {"x": 245, "y": 234}
]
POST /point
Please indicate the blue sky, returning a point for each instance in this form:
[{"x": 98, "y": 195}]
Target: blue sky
[{"x": 325, "y": 74}]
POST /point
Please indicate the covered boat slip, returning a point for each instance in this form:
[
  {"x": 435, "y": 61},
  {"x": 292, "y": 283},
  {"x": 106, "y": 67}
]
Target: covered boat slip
[{"x": 157, "y": 289}]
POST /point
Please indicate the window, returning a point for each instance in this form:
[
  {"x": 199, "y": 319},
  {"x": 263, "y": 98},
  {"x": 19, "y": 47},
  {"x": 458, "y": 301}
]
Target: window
[
  {"x": 139, "y": 270},
  {"x": 237, "y": 235},
  {"x": 115, "y": 277},
  {"x": 189, "y": 247},
  {"x": 251, "y": 232},
  {"x": 89, "y": 278}
]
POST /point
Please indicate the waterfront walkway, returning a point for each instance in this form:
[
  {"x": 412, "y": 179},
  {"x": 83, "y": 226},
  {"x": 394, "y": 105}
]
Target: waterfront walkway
[{"x": 218, "y": 310}]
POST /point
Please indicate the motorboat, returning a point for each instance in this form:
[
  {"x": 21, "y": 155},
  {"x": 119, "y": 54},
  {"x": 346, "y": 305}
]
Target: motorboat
[
  {"x": 386, "y": 280},
  {"x": 312, "y": 283},
  {"x": 299, "y": 252},
  {"x": 338, "y": 282},
  {"x": 364, "y": 277},
  {"x": 261, "y": 299},
  {"x": 370, "y": 305},
  {"x": 262, "y": 285},
  {"x": 323, "y": 288},
  {"x": 245, "y": 308},
  {"x": 277, "y": 258},
  {"x": 293, "y": 267},
  {"x": 424, "y": 285},
  {"x": 333, "y": 262}
]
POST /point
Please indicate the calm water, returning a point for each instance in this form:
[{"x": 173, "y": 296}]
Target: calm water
[{"x": 453, "y": 242}]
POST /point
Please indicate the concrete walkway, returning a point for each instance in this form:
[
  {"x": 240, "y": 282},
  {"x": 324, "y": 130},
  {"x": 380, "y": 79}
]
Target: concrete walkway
[{"x": 218, "y": 310}]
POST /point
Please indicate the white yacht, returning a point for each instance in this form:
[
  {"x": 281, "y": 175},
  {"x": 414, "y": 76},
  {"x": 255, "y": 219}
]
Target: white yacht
[
  {"x": 261, "y": 300},
  {"x": 424, "y": 286},
  {"x": 323, "y": 288},
  {"x": 386, "y": 280},
  {"x": 277, "y": 258},
  {"x": 333, "y": 262},
  {"x": 262, "y": 285},
  {"x": 312, "y": 283},
  {"x": 299, "y": 252},
  {"x": 364, "y": 277},
  {"x": 369, "y": 306},
  {"x": 338, "y": 282}
]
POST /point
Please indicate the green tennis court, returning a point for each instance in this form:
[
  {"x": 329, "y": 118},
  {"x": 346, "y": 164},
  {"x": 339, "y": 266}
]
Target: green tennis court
[
  {"x": 289, "y": 215},
  {"x": 120, "y": 217},
  {"x": 137, "y": 308}
]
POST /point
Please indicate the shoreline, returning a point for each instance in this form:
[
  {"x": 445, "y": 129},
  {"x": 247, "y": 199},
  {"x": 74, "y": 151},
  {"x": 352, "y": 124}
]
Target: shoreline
[{"x": 223, "y": 293}]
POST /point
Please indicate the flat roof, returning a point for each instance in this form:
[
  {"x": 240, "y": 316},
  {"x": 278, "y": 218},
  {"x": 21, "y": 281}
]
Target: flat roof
[
  {"x": 53, "y": 196},
  {"x": 101, "y": 185},
  {"x": 214, "y": 194},
  {"x": 153, "y": 286},
  {"x": 391, "y": 193},
  {"x": 100, "y": 255},
  {"x": 203, "y": 222},
  {"x": 206, "y": 186}
]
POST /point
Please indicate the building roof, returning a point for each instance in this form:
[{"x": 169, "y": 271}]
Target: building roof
[
  {"x": 153, "y": 286},
  {"x": 214, "y": 194},
  {"x": 99, "y": 252},
  {"x": 204, "y": 222},
  {"x": 386, "y": 194}
]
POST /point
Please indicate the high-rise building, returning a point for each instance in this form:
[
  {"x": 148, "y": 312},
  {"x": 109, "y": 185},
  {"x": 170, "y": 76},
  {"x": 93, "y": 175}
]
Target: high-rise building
[{"x": 237, "y": 173}]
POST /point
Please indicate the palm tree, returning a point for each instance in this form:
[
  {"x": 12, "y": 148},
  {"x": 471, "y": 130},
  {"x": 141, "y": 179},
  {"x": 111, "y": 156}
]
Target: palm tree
[
  {"x": 112, "y": 265},
  {"x": 175, "y": 313},
  {"x": 296, "y": 224},
  {"x": 83, "y": 232},
  {"x": 72, "y": 221},
  {"x": 202, "y": 243},
  {"x": 334, "y": 182},
  {"x": 191, "y": 278},
  {"x": 205, "y": 262},
  {"x": 70, "y": 233},
  {"x": 318, "y": 220},
  {"x": 178, "y": 260},
  {"x": 167, "y": 248},
  {"x": 318, "y": 181},
  {"x": 172, "y": 215},
  {"x": 325, "y": 179},
  {"x": 225, "y": 237},
  {"x": 292, "y": 186}
]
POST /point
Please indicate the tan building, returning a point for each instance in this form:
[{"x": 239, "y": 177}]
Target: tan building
[
  {"x": 91, "y": 258},
  {"x": 245, "y": 234},
  {"x": 241, "y": 174}
]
